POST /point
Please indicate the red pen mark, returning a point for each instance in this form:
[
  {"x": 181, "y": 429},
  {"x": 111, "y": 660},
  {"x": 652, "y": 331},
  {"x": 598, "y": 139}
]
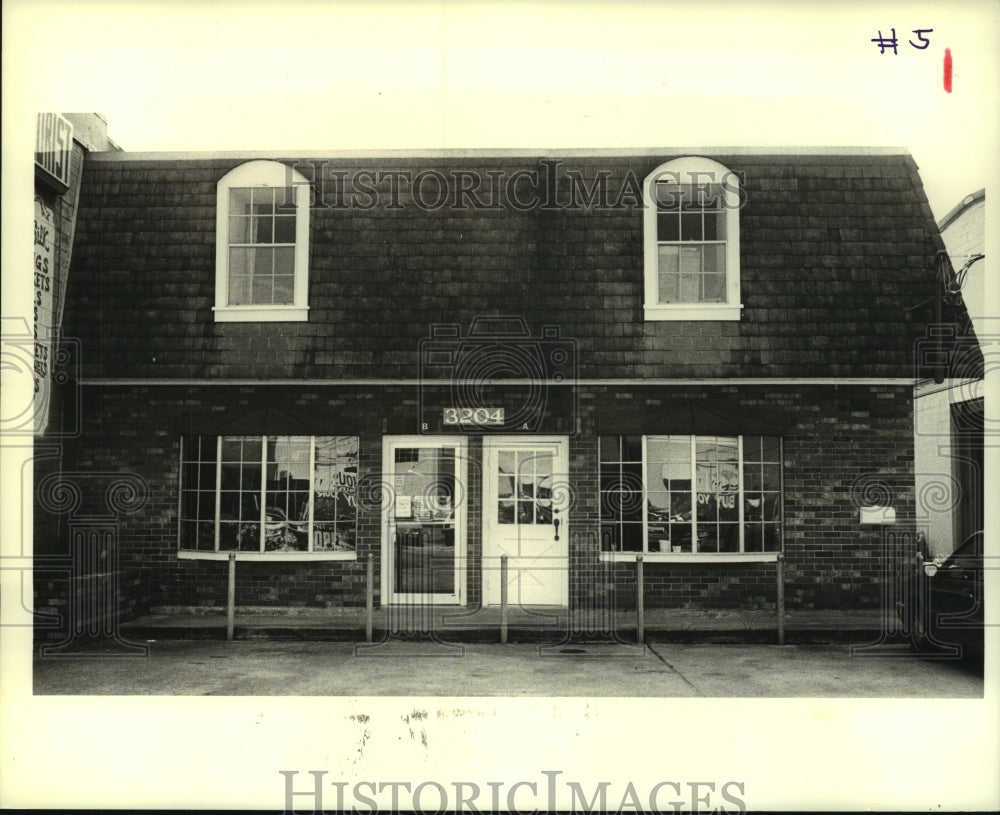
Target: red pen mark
[{"x": 947, "y": 70}]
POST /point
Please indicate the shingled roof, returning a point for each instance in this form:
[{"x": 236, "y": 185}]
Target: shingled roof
[{"x": 834, "y": 251}]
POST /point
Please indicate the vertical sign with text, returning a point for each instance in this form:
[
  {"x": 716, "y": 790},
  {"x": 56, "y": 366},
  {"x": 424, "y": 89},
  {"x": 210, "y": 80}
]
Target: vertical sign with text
[
  {"x": 53, "y": 150},
  {"x": 43, "y": 268}
]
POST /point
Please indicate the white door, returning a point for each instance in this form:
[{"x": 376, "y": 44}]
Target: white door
[
  {"x": 525, "y": 516},
  {"x": 423, "y": 548}
]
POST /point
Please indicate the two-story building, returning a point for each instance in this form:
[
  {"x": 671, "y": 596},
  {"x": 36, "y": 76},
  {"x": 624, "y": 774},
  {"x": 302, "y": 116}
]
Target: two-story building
[{"x": 571, "y": 358}]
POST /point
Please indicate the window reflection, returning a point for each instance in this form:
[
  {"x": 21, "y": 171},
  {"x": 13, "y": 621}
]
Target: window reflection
[
  {"x": 423, "y": 538},
  {"x": 701, "y": 493},
  {"x": 263, "y": 494},
  {"x": 524, "y": 487}
]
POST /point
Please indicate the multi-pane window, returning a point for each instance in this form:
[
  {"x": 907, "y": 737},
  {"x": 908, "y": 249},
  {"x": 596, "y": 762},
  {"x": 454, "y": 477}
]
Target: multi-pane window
[
  {"x": 762, "y": 491},
  {"x": 621, "y": 493},
  {"x": 690, "y": 494},
  {"x": 691, "y": 239},
  {"x": 524, "y": 487},
  {"x": 261, "y": 246},
  {"x": 262, "y": 243},
  {"x": 269, "y": 493},
  {"x": 690, "y": 243}
]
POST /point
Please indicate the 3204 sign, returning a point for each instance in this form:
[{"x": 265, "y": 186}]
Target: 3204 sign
[{"x": 489, "y": 417}]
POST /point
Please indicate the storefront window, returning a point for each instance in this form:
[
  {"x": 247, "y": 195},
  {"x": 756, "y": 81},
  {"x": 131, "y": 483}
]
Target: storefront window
[
  {"x": 621, "y": 493},
  {"x": 691, "y": 494},
  {"x": 269, "y": 493}
]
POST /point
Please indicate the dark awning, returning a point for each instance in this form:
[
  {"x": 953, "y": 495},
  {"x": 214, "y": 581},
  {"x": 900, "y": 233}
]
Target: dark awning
[
  {"x": 707, "y": 417},
  {"x": 270, "y": 420}
]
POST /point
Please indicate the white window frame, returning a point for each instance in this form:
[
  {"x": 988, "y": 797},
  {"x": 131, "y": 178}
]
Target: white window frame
[
  {"x": 696, "y": 556},
  {"x": 692, "y": 170},
  {"x": 262, "y": 174},
  {"x": 389, "y": 597},
  {"x": 223, "y": 554}
]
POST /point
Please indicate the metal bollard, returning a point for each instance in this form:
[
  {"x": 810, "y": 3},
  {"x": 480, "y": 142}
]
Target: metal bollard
[
  {"x": 781, "y": 598},
  {"x": 369, "y": 597},
  {"x": 503, "y": 599},
  {"x": 640, "y": 601},
  {"x": 231, "y": 599}
]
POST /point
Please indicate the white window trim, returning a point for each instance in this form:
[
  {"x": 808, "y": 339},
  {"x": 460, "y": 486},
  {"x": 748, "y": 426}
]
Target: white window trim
[
  {"x": 687, "y": 557},
  {"x": 388, "y": 596},
  {"x": 270, "y": 557},
  {"x": 692, "y": 168},
  {"x": 262, "y": 174}
]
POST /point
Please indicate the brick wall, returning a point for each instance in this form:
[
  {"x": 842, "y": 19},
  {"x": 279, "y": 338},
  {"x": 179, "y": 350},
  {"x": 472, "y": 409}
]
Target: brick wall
[
  {"x": 843, "y": 444},
  {"x": 82, "y": 596}
]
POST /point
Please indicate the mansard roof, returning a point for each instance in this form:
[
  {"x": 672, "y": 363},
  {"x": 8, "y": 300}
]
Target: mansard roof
[{"x": 838, "y": 252}]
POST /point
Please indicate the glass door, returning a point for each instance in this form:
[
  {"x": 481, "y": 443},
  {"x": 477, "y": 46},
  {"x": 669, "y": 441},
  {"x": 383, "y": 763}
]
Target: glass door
[{"x": 424, "y": 530}]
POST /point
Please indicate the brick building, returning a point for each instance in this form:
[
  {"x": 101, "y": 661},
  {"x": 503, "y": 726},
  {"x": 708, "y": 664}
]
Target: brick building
[{"x": 569, "y": 358}]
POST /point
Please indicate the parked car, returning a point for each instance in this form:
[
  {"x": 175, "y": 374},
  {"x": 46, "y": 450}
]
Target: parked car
[{"x": 942, "y": 607}]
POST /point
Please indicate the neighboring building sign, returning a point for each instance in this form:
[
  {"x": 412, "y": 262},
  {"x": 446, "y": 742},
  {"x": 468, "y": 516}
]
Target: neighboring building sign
[
  {"x": 53, "y": 148},
  {"x": 43, "y": 268}
]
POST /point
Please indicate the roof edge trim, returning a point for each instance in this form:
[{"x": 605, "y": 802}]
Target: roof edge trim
[
  {"x": 967, "y": 201},
  {"x": 635, "y": 152}
]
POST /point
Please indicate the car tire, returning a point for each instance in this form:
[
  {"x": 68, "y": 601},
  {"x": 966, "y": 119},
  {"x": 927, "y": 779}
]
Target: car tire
[{"x": 919, "y": 643}]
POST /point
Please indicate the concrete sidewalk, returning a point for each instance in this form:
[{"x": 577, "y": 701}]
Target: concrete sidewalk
[
  {"x": 399, "y": 668},
  {"x": 537, "y": 625}
]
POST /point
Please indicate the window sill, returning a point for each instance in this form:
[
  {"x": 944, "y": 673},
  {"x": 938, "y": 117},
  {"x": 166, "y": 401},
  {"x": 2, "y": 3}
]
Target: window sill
[
  {"x": 283, "y": 557},
  {"x": 261, "y": 314},
  {"x": 708, "y": 311},
  {"x": 688, "y": 557}
]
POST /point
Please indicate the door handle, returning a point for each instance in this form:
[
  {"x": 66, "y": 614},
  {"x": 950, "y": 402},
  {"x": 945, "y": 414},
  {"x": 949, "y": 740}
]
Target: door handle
[{"x": 555, "y": 523}]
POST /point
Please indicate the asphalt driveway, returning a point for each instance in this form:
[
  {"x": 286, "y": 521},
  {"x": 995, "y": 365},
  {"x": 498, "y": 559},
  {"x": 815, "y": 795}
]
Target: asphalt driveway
[{"x": 400, "y": 668}]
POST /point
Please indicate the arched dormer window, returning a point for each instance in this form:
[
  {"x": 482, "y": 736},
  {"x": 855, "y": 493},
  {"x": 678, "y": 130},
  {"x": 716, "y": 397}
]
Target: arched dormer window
[
  {"x": 262, "y": 244},
  {"x": 692, "y": 241}
]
